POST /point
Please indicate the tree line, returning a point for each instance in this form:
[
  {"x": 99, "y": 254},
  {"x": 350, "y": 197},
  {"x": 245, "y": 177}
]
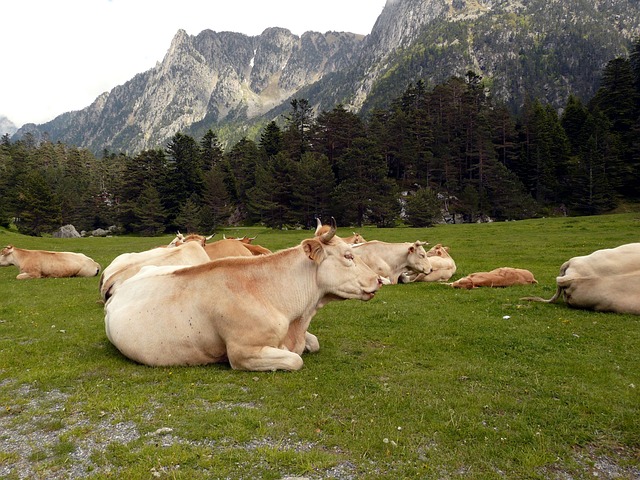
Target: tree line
[{"x": 451, "y": 149}]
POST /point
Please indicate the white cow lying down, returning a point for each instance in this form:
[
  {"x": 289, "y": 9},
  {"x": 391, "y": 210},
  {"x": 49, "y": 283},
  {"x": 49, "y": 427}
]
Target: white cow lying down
[
  {"x": 126, "y": 265},
  {"x": 606, "y": 280},
  {"x": 393, "y": 260},
  {"x": 252, "y": 312}
]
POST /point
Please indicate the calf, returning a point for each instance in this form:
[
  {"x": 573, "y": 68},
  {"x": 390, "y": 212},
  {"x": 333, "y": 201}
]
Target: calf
[{"x": 499, "y": 277}]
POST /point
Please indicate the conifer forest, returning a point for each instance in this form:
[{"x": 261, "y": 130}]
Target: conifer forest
[{"x": 448, "y": 153}]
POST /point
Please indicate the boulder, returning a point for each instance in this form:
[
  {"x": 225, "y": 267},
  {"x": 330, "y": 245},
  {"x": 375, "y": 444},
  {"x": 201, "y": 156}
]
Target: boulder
[{"x": 66, "y": 231}]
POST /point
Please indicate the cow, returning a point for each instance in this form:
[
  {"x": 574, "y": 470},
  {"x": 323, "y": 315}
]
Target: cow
[
  {"x": 499, "y": 277},
  {"x": 606, "y": 280},
  {"x": 191, "y": 237},
  {"x": 247, "y": 242},
  {"x": 353, "y": 239},
  {"x": 391, "y": 260},
  {"x": 252, "y": 312},
  {"x": 228, "y": 247},
  {"x": 42, "y": 263},
  {"x": 126, "y": 265},
  {"x": 609, "y": 293},
  {"x": 443, "y": 267},
  {"x": 608, "y": 261}
]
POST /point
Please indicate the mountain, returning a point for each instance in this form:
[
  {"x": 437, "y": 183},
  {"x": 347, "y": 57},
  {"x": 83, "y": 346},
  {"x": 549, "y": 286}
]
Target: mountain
[
  {"x": 7, "y": 126},
  {"x": 544, "y": 49}
]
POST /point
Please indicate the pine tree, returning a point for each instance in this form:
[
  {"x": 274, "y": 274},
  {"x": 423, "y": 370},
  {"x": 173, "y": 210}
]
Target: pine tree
[
  {"x": 544, "y": 159},
  {"x": 311, "y": 190},
  {"x": 38, "y": 210},
  {"x": 423, "y": 208},
  {"x": 334, "y": 132},
  {"x": 190, "y": 216},
  {"x": 367, "y": 193},
  {"x": 295, "y": 138},
  {"x": 149, "y": 213},
  {"x": 573, "y": 121},
  {"x": 597, "y": 172},
  {"x": 210, "y": 150},
  {"x": 264, "y": 198},
  {"x": 239, "y": 168},
  {"x": 216, "y": 203},
  {"x": 271, "y": 140},
  {"x": 617, "y": 96},
  {"x": 145, "y": 169},
  {"x": 184, "y": 175}
]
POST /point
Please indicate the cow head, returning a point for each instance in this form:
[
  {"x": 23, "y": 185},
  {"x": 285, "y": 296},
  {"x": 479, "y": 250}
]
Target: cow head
[
  {"x": 340, "y": 274},
  {"x": 6, "y": 256},
  {"x": 417, "y": 259},
  {"x": 191, "y": 237},
  {"x": 355, "y": 239},
  {"x": 464, "y": 282},
  {"x": 438, "y": 251}
]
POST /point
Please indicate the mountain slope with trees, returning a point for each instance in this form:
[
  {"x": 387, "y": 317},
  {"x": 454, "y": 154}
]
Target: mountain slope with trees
[
  {"x": 448, "y": 153},
  {"x": 236, "y": 84}
]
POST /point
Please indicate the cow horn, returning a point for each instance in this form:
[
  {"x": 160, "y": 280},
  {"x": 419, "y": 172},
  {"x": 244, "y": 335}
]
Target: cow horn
[
  {"x": 326, "y": 238},
  {"x": 210, "y": 236},
  {"x": 318, "y": 227}
]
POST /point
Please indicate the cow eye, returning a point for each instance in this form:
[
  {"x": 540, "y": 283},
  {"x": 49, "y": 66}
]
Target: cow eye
[{"x": 348, "y": 256}]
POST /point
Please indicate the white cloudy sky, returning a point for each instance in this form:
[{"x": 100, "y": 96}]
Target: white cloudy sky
[{"x": 59, "y": 55}]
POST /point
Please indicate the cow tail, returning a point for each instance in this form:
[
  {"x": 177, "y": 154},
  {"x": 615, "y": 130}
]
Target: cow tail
[{"x": 544, "y": 300}]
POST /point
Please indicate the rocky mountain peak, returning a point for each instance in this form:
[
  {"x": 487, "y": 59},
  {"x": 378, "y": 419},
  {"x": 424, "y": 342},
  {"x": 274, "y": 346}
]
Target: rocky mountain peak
[{"x": 545, "y": 49}]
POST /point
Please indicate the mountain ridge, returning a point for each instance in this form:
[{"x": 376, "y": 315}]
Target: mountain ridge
[{"x": 541, "y": 49}]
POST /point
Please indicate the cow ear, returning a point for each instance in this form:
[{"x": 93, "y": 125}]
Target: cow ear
[
  {"x": 313, "y": 249},
  {"x": 412, "y": 249}
]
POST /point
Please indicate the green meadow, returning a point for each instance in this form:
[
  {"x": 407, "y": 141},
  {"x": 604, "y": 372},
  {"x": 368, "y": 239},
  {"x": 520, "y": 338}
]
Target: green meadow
[{"x": 424, "y": 381}]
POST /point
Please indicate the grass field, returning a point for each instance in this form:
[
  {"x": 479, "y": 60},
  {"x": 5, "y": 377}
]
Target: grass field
[{"x": 423, "y": 381}]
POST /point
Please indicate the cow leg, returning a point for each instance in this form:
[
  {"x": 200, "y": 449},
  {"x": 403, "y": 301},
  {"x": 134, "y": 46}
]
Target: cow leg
[
  {"x": 24, "y": 276},
  {"x": 263, "y": 359},
  {"x": 311, "y": 343}
]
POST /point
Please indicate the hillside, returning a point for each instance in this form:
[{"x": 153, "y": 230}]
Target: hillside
[{"x": 229, "y": 81}]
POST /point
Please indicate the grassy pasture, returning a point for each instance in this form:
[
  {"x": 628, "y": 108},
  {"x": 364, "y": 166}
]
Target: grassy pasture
[{"x": 423, "y": 381}]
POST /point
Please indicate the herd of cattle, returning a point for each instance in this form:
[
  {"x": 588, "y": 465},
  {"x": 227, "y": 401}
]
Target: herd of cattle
[{"x": 264, "y": 301}]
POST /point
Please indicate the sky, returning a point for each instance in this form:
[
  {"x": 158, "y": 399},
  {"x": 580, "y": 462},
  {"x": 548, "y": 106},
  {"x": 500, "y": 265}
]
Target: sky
[{"x": 59, "y": 55}]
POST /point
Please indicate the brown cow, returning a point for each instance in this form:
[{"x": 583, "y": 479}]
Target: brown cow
[
  {"x": 254, "y": 249},
  {"x": 42, "y": 263},
  {"x": 252, "y": 312},
  {"x": 500, "y": 277},
  {"x": 228, "y": 247}
]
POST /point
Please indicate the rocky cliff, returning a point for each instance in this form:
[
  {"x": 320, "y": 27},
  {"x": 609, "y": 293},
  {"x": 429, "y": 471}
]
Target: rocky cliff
[
  {"x": 224, "y": 76},
  {"x": 545, "y": 49}
]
